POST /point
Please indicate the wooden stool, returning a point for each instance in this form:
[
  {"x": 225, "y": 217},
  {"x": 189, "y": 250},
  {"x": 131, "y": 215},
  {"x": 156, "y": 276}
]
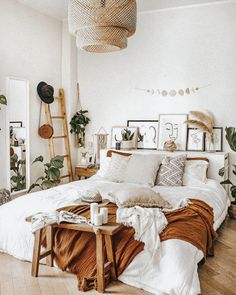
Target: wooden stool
[{"x": 103, "y": 234}]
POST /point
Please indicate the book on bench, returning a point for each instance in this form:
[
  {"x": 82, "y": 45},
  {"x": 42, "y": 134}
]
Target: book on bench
[{"x": 43, "y": 219}]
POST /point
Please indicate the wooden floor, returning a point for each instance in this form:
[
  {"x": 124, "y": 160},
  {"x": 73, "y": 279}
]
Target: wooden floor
[{"x": 217, "y": 276}]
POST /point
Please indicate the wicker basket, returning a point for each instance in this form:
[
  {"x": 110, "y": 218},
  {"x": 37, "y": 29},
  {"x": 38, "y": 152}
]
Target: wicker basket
[{"x": 232, "y": 211}]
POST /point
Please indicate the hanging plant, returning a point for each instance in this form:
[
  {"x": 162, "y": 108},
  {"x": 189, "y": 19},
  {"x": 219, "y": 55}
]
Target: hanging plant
[{"x": 78, "y": 124}]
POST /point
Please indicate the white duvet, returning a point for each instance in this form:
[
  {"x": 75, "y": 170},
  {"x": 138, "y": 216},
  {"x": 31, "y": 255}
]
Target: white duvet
[{"x": 172, "y": 271}]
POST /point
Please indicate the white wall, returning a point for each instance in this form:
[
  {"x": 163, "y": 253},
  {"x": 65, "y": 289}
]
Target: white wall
[
  {"x": 172, "y": 49},
  {"x": 30, "y": 48}
]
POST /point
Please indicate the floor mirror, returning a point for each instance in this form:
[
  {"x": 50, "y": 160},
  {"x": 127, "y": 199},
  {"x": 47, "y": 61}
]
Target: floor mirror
[{"x": 18, "y": 163}]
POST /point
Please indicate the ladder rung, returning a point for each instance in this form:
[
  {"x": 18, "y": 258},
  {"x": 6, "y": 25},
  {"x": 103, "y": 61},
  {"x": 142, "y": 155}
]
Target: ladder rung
[
  {"x": 65, "y": 156},
  {"x": 58, "y": 137},
  {"x": 57, "y": 97},
  {"x": 57, "y": 117},
  {"x": 65, "y": 176}
]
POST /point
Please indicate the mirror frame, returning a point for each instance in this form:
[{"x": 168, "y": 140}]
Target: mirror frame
[{"x": 8, "y": 79}]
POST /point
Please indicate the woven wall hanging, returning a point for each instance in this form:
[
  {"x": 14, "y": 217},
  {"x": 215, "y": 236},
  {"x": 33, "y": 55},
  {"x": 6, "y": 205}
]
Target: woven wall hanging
[{"x": 102, "y": 25}]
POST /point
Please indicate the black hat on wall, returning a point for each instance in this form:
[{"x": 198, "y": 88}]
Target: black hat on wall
[{"x": 45, "y": 92}]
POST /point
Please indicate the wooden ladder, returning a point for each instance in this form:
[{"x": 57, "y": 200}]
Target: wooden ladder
[{"x": 65, "y": 136}]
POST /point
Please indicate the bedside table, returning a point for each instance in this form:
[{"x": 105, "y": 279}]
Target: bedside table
[{"x": 85, "y": 172}]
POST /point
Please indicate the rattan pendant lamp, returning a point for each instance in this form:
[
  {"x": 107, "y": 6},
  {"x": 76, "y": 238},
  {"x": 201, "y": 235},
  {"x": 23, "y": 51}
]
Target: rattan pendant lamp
[{"x": 102, "y": 25}]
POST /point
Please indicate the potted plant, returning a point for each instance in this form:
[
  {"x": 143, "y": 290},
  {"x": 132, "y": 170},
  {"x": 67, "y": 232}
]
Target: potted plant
[
  {"x": 231, "y": 138},
  {"x": 51, "y": 175},
  {"x": 18, "y": 180},
  {"x": 78, "y": 124},
  {"x": 127, "y": 139}
]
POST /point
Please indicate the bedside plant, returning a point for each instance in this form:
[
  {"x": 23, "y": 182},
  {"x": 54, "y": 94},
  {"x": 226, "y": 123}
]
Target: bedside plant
[
  {"x": 78, "y": 124},
  {"x": 51, "y": 175},
  {"x": 127, "y": 139},
  {"x": 231, "y": 139}
]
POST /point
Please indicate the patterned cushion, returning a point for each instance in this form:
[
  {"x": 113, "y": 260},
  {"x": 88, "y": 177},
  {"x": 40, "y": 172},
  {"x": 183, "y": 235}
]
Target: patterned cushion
[
  {"x": 4, "y": 196},
  {"x": 171, "y": 171}
]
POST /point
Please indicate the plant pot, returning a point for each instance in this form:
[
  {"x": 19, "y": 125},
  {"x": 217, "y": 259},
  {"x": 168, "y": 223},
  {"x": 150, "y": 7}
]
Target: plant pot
[
  {"x": 232, "y": 211},
  {"x": 127, "y": 145}
]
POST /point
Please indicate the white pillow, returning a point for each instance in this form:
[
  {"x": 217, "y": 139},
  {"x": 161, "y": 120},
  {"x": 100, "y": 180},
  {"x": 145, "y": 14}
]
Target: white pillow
[
  {"x": 142, "y": 169},
  {"x": 104, "y": 166},
  {"x": 117, "y": 168},
  {"x": 195, "y": 172},
  {"x": 143, "y": 197}
]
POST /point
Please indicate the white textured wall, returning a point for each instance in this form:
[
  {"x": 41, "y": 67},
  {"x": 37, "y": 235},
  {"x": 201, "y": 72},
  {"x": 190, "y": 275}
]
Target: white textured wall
[
  {"x": 192, "y": 46},
  {"x": 30, "y": 48}
]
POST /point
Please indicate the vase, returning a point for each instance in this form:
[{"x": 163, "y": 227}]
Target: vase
[{"x": 126, "y": 144}]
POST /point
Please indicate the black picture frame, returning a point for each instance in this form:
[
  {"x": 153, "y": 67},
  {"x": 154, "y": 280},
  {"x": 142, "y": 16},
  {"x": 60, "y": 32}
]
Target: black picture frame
[
  {"x": 220, "y": 142},
  {"x": 16, "y": 124},
  {"x": 202, "y": 148},
  {"x": 131, "y": 123}
]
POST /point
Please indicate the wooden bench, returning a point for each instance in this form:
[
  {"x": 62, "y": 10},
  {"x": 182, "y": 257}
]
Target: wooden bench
[{"x": 103, "y": 234}]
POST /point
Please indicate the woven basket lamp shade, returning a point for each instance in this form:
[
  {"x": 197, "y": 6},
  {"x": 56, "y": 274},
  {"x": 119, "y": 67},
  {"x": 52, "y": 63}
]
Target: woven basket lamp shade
[{"x": 102, "y": 25}]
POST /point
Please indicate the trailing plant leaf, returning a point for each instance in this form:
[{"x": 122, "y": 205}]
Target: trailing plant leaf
[
  {"x": 222, "y": 171},
  {"x": 3, "y": 99},
  {"x": 227, "y": 181},
  {"x": 231, "y": 137},
  {"x": 233, "y": 192},
  {"x": 38, "y": 159},
  {"x": 51, "y": 175}
]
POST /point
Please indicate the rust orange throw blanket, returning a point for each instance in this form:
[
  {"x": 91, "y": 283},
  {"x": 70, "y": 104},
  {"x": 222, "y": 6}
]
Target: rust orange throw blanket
[{"x": 75, "y": 251}]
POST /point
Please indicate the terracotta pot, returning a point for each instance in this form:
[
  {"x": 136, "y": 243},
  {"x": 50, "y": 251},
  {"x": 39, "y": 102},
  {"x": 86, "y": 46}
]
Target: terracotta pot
[
  {"x": 232, "y": 211},
  {"x": 127, "y": 145}
]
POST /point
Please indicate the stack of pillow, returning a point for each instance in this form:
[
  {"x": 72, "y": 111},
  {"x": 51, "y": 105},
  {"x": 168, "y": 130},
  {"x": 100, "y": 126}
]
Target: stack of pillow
[
  {"x": 149, "y": 170},
  {"x": 154, "y": 169}
]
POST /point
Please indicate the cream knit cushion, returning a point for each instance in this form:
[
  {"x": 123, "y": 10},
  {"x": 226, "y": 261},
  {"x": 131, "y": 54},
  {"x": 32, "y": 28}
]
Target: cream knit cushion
[
  {"x": 142, "y": 169},
  {"x": 117, "y": 168},
  {"x": 195, "y": 172},
  {"x": 140, "y": 196}
]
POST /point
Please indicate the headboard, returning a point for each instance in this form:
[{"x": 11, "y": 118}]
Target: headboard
[{"x": 216, "y": 160}]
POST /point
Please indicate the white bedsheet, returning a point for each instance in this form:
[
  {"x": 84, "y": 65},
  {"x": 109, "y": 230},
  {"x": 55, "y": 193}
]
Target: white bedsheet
[{"x": 174, "y": 271}]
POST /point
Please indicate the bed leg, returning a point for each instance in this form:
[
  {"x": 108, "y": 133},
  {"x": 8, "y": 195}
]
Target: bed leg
[
  {"x": 49, "y": 237},
  {"x": 36, "y": 253}
]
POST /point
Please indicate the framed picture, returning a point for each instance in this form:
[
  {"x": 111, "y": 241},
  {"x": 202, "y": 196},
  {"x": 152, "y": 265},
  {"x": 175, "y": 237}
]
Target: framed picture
[
  {"x": 116, "y": 135},
  {"x": 172, "y": 127},
  {"x": 16, "y": 124},
  {"x": 217, "y": 146},
  {"x": 147, "y": 133},
  {"x": 196, "y": 140}
]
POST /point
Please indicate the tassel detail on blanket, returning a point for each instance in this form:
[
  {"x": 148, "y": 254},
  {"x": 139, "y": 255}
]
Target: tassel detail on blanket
[{"x": 148, "y": 223}]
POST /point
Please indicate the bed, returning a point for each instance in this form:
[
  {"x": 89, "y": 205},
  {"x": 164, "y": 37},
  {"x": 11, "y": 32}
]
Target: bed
[{"x": 175, "y": 270}]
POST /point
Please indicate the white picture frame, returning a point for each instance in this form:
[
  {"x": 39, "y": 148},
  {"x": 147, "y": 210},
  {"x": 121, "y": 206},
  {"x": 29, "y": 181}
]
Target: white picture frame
[
  {"x": 196, "y": 140},
  {"x": 147, "y": 133},
  {"x": 172, "y": 127},
  {"x": 116, "y": 135}
]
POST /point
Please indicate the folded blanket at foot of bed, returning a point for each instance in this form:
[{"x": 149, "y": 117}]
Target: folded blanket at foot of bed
[{"x": 76, "y": 251}]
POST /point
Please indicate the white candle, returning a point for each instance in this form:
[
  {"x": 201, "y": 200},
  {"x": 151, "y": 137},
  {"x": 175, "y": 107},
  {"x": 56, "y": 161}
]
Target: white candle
[
  {"x": 93, "y": 211},
  {"x": 104, "y": 212},
  {"x": 98, "y": 219}
]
